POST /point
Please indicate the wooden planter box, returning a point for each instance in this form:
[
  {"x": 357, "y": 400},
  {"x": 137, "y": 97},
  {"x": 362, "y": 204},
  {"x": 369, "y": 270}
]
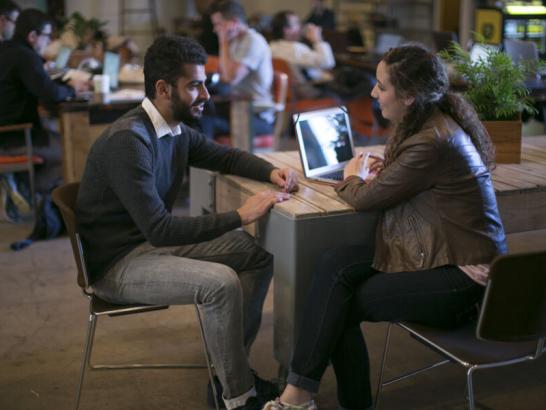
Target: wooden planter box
[{"x": 506, "y": 136}]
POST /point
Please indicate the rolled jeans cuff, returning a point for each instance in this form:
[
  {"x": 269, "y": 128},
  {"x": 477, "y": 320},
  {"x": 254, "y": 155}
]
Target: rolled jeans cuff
[
  {"x": 241, "y": 400},
  {"x": 303, "y": 382}
]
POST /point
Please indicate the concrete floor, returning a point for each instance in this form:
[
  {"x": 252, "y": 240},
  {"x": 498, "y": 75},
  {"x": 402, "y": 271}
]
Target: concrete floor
[{"x": 42, "y": 331}]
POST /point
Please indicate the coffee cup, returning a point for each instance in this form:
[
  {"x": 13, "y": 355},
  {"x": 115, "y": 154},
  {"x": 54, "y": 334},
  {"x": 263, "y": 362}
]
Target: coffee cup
[{"x": 101, "y": 83}]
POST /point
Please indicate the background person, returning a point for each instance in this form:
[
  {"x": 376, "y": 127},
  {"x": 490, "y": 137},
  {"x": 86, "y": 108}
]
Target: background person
[
  {"x": 24, "y": 84},
  {"x": 245, "y": 65},
  {"x": 311, "y": 64},
  {"x": 439, "y": 229},
  {"x": 9, "y": 11},
  {"x": 321, "y": 16}
]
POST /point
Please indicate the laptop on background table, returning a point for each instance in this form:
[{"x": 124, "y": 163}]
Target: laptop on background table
[
  {"x": 111, "y": 68},
  {"x": 325, "y": 143},
  {"x": 61, "y": 62}
]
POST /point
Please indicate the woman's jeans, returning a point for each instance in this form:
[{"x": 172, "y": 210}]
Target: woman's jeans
[
  {"x": 346, "y": 291},
  {"x": 229, "y": 277}
]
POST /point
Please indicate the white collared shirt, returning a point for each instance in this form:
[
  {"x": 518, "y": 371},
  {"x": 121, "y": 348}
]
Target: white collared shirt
[{"x": 160, "y": 125}]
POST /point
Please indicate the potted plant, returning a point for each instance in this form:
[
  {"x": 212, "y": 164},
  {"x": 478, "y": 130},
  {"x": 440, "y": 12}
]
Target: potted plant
[
  {"x": 496, "y": 88},
  {"x": 83, "y": 29}
]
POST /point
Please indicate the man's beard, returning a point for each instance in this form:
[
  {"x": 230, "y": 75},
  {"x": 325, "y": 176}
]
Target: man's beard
[{"x": 182, "y": 112}]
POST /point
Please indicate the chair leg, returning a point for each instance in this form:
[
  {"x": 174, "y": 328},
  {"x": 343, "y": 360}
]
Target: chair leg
[
  {"x": 207, "y": 356},
  {"x": 470, "y": 388},
  {"x": 86, "y": 356},
  {"x": 381, "y": 371},
  {"x": 30, "y": 167}
]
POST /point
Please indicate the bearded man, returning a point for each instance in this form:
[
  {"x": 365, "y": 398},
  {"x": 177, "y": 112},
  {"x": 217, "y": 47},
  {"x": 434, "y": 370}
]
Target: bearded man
[{"x": 137, "y": 251}]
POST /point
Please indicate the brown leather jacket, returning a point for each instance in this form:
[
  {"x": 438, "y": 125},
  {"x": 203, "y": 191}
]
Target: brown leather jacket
[{"x": 437, "y": 201}]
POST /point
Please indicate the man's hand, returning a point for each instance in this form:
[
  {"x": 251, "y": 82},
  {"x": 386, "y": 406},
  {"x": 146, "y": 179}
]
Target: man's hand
[
  {"x": 258, "y": 205},
  {"x": 285, "y": 178},
  {"x": 79, "y": 85},
  {"x": 312, "y": 33}
]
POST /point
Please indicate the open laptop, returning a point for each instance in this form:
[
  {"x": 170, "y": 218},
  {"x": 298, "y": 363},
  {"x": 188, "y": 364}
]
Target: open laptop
[
  {"x": 60, "y": 69},
  {"x": 325, "y": 143},
  {"x": 111, "y": 67}
]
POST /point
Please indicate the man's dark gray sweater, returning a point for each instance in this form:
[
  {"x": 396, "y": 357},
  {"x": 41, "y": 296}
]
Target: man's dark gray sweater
[{"x": 131, "y": 180}]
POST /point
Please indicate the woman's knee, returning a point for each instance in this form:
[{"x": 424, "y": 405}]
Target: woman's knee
[{"x": 341, "y": 264}]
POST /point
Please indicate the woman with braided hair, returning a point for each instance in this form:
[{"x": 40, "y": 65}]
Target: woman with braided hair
[{"x": 438, "y": 230}]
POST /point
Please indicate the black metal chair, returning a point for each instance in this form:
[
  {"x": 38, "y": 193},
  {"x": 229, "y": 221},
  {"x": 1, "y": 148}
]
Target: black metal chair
[
  {"x": 511, "y": 327},
  {"x": 65, "y": 198}
]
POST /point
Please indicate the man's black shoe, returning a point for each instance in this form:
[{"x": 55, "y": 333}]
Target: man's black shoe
[{"x": 265, "y": 390}]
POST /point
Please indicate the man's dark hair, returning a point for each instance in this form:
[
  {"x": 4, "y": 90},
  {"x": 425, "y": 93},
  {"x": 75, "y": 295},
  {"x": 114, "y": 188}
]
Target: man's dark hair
[
  {"x": 165, "y": 59},
  {"x": 30, "y": 20},
  {"x": 7, "y": 7},
  {"x": 230, "y": 10},
  {"x": 279, "y": 22}
]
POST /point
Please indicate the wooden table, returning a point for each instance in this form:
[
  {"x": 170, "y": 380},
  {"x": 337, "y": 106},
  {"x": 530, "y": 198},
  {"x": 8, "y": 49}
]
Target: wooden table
[
  {"x": 82, "y": 122},
  {"x": 298, "y": 231}
]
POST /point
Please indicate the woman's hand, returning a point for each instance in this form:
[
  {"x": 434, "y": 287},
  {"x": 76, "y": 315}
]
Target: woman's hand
[
  {"x": 354, "y": 166},
  {"x": 366, "y": 166},
  {"x": 376, "y": 164}
]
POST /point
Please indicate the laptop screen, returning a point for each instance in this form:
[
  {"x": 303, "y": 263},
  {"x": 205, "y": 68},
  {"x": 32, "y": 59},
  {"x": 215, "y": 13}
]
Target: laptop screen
[
  {"x": 111, "y": 67},
  {"x": 325, "y": 140},
  {"x": 62, "y": 57}
]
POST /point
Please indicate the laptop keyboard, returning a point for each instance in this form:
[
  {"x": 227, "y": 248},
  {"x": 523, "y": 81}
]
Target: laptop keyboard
[{"x": 337, "y": 175}]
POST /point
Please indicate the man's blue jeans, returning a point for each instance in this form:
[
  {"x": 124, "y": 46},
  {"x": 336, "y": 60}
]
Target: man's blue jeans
[{"x": 229, "y": 276}]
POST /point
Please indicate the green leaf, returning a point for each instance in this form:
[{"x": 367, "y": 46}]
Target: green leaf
[{"x": 495, "y": 86}]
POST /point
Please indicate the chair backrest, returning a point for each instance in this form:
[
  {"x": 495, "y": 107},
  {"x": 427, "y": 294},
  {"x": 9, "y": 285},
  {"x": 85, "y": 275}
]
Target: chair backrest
[
  {"x": 65, "y": 198},
  {"x": 282, "y": 66},
  {"x": 514, "y": 305},
  {"x": 521, "y": 51},
  {"x": 293, "y": 102},
  {"x": 280, "y": 88},
  {"x": 212, "y": 65}
]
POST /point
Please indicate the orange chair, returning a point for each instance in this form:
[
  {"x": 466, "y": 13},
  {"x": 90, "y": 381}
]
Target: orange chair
[
  {"x": 294, "y": 104},
  {"x": 18, "y": 163},
  {"x": 360, "y": 109},
  {"x": 212, "y": 65}
]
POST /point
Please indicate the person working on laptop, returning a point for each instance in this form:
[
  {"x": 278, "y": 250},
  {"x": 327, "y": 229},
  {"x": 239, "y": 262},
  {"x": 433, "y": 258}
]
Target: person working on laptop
[
  {"x": 137, "y": 251},
  {"x": 438, "y": 230},
  {"x": 9, "y": 11},
  {"x": 23, "y": 84}
]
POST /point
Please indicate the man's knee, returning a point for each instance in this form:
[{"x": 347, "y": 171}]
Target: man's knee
[
  {"x": 227, "y": 284},
  {"x": 255, "y": 256}
]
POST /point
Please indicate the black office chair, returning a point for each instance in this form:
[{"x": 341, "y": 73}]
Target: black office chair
[
  {"x": 65, "y": 198},
  {"x": 511, "y": 326}
]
